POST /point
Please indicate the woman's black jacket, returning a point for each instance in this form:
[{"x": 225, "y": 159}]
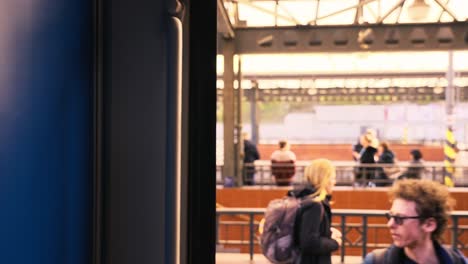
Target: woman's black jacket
[{"x": 312, "y": 229}]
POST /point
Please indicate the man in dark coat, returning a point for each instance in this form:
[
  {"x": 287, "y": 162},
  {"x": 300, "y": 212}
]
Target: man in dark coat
[
  {"x": 357, "y": 150},
  {"x": 250, "y": 155},
  {"x": 366, "y": 170}
]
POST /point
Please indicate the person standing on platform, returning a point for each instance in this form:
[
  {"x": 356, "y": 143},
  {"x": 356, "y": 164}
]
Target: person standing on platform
[
  {"x": 313, "y": 234},
  {"x": 367, "y": 159},
  {"x": 357, "y": 150},
  {"x": 387, "y": 159},
  {"x": 415, "y": 168},
  {"x": 250, "y": 156},
  {"x": 418, "y": 217},
  {"x": 282, "y": 164}
]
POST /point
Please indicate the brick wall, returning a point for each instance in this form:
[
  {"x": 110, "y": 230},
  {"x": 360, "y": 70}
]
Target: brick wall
[{"x": 342, "y": 152}]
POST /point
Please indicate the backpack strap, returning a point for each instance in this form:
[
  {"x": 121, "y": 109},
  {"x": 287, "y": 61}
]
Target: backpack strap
[
  {"x": 378, "y": 256},
  {"x": 310, "y": 200},
  {"x": 300, "y": 210},
  {"x": 455, "y": 255},
  {"x": 322, "y": 211},
  {"x": 387, "y": 255}
]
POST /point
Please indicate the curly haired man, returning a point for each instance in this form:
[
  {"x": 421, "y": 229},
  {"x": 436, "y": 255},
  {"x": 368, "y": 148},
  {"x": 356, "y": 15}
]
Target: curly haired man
[{"x": 418, "y": 217}]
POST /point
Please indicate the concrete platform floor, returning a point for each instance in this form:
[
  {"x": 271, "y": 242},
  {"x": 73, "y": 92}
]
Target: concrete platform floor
[{"x": 239, "y": 258}]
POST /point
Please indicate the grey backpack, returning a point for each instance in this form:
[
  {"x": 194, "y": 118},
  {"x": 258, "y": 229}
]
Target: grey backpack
[{"x": 277, "y": 241}]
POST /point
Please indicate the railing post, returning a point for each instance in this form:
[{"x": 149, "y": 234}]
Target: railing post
[
  {"x": 262, "y": 180},
  {"x": 245, "y": 171},
  {"x": 217, "y": 228},
  {"x": 343, "y": 238},
  {"x": 251, "y": 235},
  {"x": 364, "y": 236},
  {"x": 454, "y": 231},
  {"x": 443, "y": 175}
]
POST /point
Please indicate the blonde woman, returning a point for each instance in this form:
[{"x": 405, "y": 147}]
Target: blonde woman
[{"x": 314, "y": 236}]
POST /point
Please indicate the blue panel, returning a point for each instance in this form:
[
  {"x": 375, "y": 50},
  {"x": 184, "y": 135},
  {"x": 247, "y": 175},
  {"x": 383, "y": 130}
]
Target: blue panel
[{"x": 45, "y": 131}]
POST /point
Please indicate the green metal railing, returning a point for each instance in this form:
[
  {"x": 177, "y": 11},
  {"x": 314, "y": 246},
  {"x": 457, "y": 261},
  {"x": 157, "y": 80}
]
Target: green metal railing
[
  {"x": 346, "y": 173},
  {"x": 248, "y": 215}
]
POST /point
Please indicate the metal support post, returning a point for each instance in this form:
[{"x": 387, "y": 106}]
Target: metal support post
[
  {"x": 364, "y": 236},
  {"x": 454, "y": 232},
  {"x": 254, "y": 117},
  {"x": 239, "y": 159},
  {"x": 251, "y": 244},
  {"x": 449, "y": 144},
  {"x": 228, "y": 110},
  {"x": 343, "y": 241}
]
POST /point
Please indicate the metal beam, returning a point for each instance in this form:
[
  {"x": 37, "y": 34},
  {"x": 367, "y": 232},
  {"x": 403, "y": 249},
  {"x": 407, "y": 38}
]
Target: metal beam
[
  {"x": 352, "y": 95},
  {"x": 442, "y": 12},
  {"x": 223, "y": 23},
  {"x": 370, "y": 75},
  {"x": 395, "y": 7},
  {"x": 385, "y": 37},
  {"x": 254, "y": 113},
  {"x": 228, "y": 111},
  {"x": 288, "y": 13},
  {"x": 269, "y": 12},
  {"x": 446, "y": 9},
  {"x": 239, "y": 145},
  {"x": 359, "y": 5}
]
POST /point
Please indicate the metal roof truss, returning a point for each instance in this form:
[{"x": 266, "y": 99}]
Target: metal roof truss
[
  {"x": 353, "y": 95},
  {"x": 351, "y": 38}
]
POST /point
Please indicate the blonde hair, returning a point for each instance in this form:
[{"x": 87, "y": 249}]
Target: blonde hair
[{"x": 318, "y": 174}]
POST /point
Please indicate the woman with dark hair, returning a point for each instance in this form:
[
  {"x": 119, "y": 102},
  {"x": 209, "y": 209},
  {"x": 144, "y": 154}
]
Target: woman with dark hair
[
  {"x": 416, "y": 154},
  {"x": 387, "y": 158}
]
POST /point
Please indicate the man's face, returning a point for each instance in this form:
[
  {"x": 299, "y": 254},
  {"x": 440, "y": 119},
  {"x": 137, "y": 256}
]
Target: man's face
[{"x": 410, "y": 232}]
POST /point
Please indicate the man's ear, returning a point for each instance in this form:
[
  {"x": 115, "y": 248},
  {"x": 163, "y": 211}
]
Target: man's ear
[{"x": 429, "y": 225}]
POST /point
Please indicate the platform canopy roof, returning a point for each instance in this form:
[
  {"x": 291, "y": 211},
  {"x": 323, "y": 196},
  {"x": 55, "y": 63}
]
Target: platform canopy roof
[
  {"x": 345, "y": 43},
  {"x": 298, "y": 26},
  {"x": 267, "y": 13}
]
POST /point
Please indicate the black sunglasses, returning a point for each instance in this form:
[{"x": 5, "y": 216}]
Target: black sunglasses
[{"x": 400, "y": 219}]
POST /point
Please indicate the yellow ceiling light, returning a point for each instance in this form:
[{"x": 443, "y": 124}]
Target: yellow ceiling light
[{"x": 419, "y": 10}]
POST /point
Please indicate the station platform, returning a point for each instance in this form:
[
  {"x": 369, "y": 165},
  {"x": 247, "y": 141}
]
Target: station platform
[
  {"x": 233, "y": 231},
  {"x": 241, "y": 258},
  {"x": 343, "y": 197}
]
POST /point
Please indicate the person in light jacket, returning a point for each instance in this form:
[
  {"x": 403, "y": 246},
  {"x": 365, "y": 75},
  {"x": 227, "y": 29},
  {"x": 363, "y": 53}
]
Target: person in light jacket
[{"x": 282, "y": 164}]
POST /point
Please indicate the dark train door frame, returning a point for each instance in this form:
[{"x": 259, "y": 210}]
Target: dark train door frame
[
  {"x": 198, "y": 131},
  {"x": 201, "y": 30}
]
